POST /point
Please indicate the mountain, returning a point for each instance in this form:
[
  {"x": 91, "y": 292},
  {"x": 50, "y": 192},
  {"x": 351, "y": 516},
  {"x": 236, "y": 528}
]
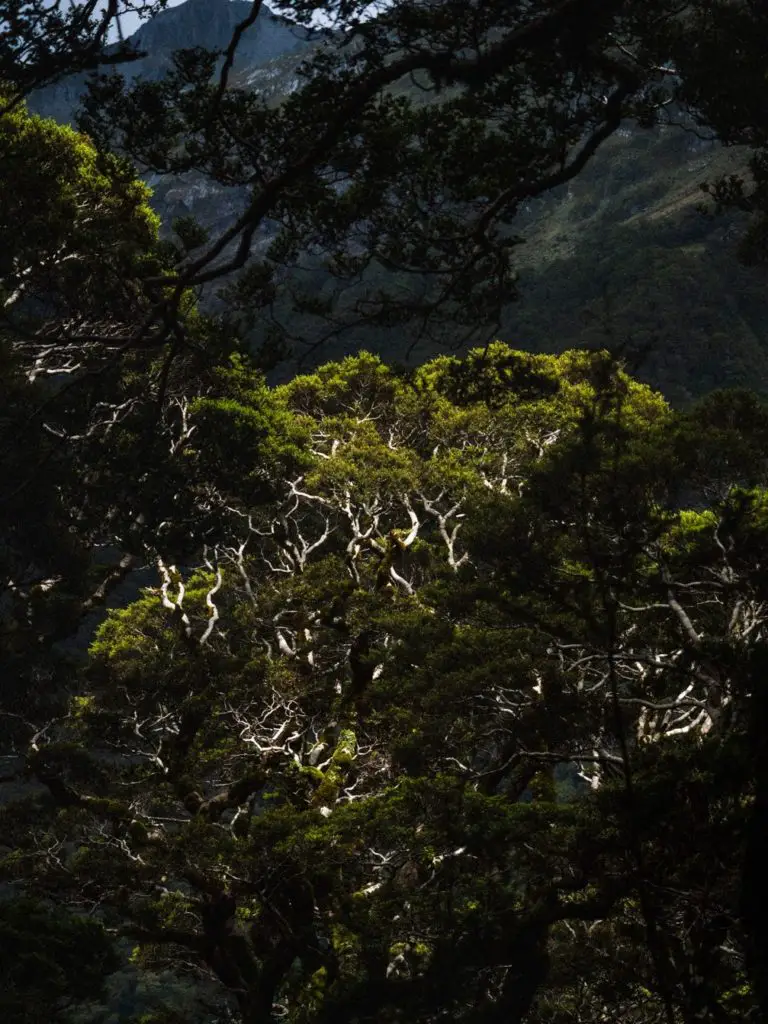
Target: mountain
[
  {"x": 626, "y": 257},
  {"x": 210, "y": 23},
  {"x": 623, "y": 256},
  {"x": 204, "y": 23}
]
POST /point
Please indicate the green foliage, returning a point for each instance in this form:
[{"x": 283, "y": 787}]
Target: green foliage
[
  {"x": 323, "y": 762},
  {"x": 78, "y": 223},
  {"x": 358, "y": 738},
  {"x": 49, "y": 960}
]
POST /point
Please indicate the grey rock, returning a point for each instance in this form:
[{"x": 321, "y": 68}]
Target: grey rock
[
  {"x": 196, "y": 23},
  {"x": 210, "y": 23}
]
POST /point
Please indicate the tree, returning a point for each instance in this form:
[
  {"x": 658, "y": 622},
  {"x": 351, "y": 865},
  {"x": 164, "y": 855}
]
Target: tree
[
  {"x": 358, "y": 182},
  {"x": 49, "y": 960},
  {"x": 320, "y": 768},
  {"x": 41, "y": 41},
  {"x": 355, "y": 177},
  {"x": 670, "y": 609},
  {"x": 77, "y": 233},
  {"x": 88, "y": 393},
  {"x": 80, "y": 236},
  {"x": 725, "y": 35}
]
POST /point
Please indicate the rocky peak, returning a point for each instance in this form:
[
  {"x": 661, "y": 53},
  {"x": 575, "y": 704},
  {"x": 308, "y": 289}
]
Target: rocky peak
[
  {"x": 205, "y": 23},
  {"x": 210, "y": 24}
]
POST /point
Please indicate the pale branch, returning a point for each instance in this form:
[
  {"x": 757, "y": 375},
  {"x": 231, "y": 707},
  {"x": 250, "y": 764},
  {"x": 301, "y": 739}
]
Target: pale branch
[
  {"x": 114, "y": 577},
  {"x": 186, "y": 430},
  {"x": 294, "y": 490},
  {"x": 260, "y": 730},
  {"x": 448, "y": 533},
  {"x": 169, "y": 575},
  {"x": 683, "y": 618},
  {"x": 237, "y": 557},
  {"x": 213, "y": 610},
  {"x": 415, "y": 524}
]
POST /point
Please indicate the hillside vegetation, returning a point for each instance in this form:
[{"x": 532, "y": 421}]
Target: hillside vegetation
[{"x": 623, "y": 256}]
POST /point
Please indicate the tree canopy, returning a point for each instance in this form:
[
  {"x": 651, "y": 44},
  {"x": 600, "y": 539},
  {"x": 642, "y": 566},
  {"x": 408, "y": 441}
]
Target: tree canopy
[
  {"x": 77, "y": 224},
  {"x": 456, "y": 723},
  {"x": 87, "y": 389}
]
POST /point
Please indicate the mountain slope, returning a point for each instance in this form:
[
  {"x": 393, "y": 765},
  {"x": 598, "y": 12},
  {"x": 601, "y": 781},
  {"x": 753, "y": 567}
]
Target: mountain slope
[
  {"x": 210, "y": 23},
  {"x": 621, "y": 257},
  {"x": 627, "y": 257},
  {"x": 203, "y": 23}
]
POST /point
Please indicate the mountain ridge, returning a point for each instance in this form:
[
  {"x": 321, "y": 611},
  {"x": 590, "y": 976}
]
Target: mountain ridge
[
  {"x": 196, "y": 23},
  {"x": 621, "y": 257},
  {"x": 210, "y": 23}
]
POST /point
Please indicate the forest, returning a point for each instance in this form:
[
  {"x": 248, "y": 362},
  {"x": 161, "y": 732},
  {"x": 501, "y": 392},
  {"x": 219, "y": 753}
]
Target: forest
[{"x": 380, "y": 688}]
